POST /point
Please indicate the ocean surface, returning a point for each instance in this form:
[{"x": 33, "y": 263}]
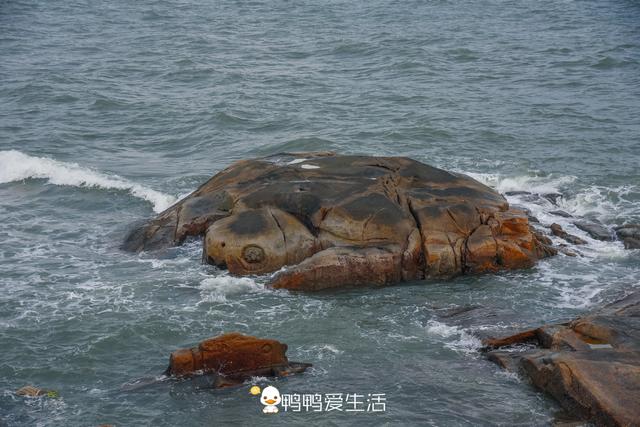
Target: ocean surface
[{"x": 112, "y": 111}]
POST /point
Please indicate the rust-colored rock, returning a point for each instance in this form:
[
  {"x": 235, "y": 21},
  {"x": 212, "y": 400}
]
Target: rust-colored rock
[
  {"x": 346, "y": 220},
  {"x": 233, "y": 358},
  {"x": 30, "y": 391},
  {"x": 590, "y": 365}
]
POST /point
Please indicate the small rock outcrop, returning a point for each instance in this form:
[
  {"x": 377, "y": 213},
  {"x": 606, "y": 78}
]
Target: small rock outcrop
[
  {"x": 591, "y": 365},
  {"x": 630, "y": 235},
  {"x": 334, "y": 220},
  {"x": 557, "y": 230},
  {"x": 596, "y": 231},
  {"x": 232, "y": 359}
]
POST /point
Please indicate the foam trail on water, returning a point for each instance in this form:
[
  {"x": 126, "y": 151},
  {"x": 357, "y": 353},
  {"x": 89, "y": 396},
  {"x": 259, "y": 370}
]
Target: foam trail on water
[{"x": 17, "y": 166}]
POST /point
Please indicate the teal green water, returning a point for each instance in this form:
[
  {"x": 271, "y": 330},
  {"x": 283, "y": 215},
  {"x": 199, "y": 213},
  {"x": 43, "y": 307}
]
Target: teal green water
[{"x": 110, "y": 111}]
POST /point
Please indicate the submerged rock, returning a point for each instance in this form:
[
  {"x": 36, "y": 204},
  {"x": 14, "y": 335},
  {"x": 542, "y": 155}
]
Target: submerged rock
[
  {"x": 233, "y": 358},
  {"x": 591, "y": 365},
  {"x": 346, "y": 220}
]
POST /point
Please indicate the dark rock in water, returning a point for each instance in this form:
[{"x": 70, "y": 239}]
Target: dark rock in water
[
  {"x": 561, "y": 213},
  {"x": 597, "y": 231},
  {"x": 482, "y": 321},
  {"x": 557, "y": 230},
  {"x": 629, "y": 234},
  {"x": 629, "y": 230},
  {"x": 346, "y": 220},
  {"x": 591, "y": 365},
  {"x": 525, "y": 196},
  {"x": 553, "y": 197},
  {"x": 231, "y": 359},
  {"x": 517, "y": 193},
  {"x": 631, "y": 243}
]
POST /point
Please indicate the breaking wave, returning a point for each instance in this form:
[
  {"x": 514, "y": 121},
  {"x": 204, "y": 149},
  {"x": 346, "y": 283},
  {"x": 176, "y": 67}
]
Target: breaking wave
[
  {"x": 218, "y": 288},
  {"x": 17, "y": 166},
  {"x": 456, "y": 338}
]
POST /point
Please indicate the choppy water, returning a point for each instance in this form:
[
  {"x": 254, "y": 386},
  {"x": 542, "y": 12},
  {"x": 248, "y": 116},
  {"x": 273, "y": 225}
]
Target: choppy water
[{"x": 109, "y": 111}]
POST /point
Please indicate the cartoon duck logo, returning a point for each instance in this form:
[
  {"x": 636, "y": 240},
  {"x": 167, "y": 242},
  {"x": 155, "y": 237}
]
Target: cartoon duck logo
[{"x": 270, "y": 398}]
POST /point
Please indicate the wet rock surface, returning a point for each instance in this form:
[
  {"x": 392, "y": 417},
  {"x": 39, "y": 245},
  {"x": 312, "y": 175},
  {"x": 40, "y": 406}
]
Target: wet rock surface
[
  {"x": 233, "y": 358},
  {"x": 557, "y": 230},
  {"x": 597, "y": 231},
  {"x": 591, "y": 365},
  {"x": 334, "y": 220}
]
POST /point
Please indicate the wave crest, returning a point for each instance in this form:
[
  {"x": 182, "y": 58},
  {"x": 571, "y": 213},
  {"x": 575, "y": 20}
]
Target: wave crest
[{"x": 17, "y": 166}]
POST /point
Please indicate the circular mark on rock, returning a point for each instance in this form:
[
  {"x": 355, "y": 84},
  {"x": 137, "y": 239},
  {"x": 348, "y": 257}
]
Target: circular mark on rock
[
  {"x": 266, "y": 348},
  {"x": 253, "y": 254}
]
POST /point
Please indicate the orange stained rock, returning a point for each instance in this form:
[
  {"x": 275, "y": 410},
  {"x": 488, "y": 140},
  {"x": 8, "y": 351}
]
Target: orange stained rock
[{"x": 229, "y": 354}]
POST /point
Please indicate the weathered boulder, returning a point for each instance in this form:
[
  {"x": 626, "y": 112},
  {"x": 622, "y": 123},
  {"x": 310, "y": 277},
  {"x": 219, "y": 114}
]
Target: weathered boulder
[
  {"x": 233, "y": 358},
  {"x": 346, "y": 220},
  {"x": 591, "y": 365}
]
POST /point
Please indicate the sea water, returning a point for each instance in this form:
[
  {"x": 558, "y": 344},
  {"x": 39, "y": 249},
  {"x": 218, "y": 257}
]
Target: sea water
[{"x": 112, "y": 111}]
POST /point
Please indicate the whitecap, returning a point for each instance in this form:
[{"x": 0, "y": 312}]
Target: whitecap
[
  {"x": 462, "y": 341},
  {"x": 310, "y": 167},
  {"x": 532, "y": 183},
  {"x": 17, "y": 166},
  {"x": 218, "y": 288}
]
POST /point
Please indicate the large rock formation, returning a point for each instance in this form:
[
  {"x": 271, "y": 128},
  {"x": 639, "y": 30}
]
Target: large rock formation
[
  {"x": 232, "y": 359},
  {"x": 346, "y": 220},
  {"x": 590, "y": 365}
]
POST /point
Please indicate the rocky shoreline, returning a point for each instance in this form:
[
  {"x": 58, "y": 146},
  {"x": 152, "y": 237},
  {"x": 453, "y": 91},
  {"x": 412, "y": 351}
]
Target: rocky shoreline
[{"x": 590, "y": 365}]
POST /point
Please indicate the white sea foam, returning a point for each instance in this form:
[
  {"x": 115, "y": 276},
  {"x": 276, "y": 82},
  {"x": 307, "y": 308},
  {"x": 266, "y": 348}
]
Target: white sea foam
[
  {"x": 305, "y": 166},
  {"x": 321, "y": 351},
  {"x": 218, "y": 288},
  {"x": 605, "y": 204},
  {"x": 531, "y": 183},
  {"x": 459, "y": 339},
  {"x": 595, "y": 201},
  {"x": 17, "y": 166}
]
